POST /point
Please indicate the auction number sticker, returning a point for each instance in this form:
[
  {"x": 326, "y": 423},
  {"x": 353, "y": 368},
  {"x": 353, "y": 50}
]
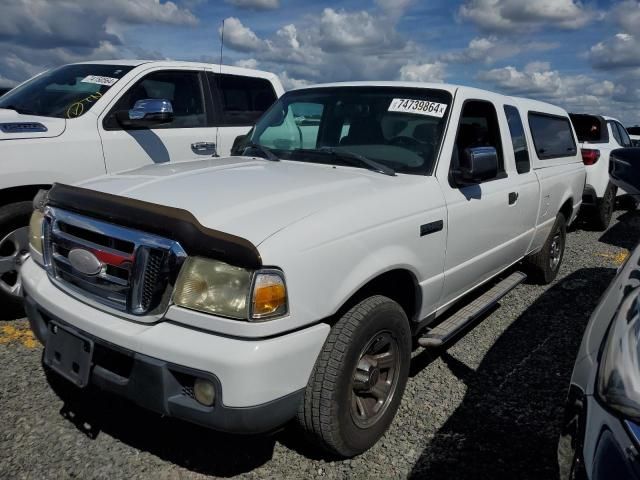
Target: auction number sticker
[
  {"x": 108, "y": 81},
  {"x": 419, "y": 107}
]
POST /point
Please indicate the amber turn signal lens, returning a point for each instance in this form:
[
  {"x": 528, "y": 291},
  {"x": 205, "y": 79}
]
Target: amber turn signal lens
[{"x": 269, "y": 296}]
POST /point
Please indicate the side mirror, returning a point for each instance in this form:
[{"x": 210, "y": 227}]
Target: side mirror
[
  {"x": 240, "y": 143},
  {"x": 146, "y": 113},
  {"x": 476, "y": 165}
]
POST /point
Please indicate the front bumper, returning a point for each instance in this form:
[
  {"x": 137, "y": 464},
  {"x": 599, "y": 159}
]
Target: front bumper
[{"x": 258, "y": 381}]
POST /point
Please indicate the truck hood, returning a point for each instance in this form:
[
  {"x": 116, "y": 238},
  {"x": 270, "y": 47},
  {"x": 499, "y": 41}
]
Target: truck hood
[
  {"x": 21, "y": 126},
  {"x": 250, "y": 198}
]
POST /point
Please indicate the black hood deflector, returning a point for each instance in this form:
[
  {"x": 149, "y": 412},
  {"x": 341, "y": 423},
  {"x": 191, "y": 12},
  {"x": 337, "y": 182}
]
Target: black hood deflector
[{"x": 169, "y": 222}]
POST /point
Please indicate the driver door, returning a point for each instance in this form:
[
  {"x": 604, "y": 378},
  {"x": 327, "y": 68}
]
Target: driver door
[{"x": 188, "y": 137}]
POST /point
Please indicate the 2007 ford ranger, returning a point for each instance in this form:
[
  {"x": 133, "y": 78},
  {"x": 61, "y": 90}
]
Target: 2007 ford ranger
[{"x": 291, "y": 281}]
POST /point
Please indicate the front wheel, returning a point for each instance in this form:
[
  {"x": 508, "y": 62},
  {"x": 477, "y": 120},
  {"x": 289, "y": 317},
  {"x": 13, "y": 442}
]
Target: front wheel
[
  {"x": 544, "y": 266},
  {"x": 357, "y": 383},
  {"x": 14, "y": 249}
]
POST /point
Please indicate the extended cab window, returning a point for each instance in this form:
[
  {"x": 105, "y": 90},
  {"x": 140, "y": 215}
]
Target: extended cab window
[
  {"x": 552, "y": 136},
  {"x": 65, "y": 92},
  {"x": 242, "y": 99},
  {"x": 478, "y": 128},
  {"x": 516, "y": 128},
  {"x": 182, "y": 88}
]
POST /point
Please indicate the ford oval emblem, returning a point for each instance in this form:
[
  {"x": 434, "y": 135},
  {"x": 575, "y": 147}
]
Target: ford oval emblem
[{"x": 84, "y": 261}]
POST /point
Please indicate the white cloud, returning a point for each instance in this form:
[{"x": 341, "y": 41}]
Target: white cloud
[
  {"x": 247, "y": 63},
  {"x": 255, "y": 4},
  {"x": 617, "y": 52},
  {"x": 425, "y": 72},
  {"x": 239, "y": 37},
  {"x": 579, "y": 93},
  {"x": 336, "y": 45},
  {"x": 492, "y": 48},
  {"x": 518, "y": 15},
  {"x": 290, "y": 82},
  {"x": 38, "y": 34},
  {"x": 356, "y": 30},
  {"x": 627, "y": 15}
]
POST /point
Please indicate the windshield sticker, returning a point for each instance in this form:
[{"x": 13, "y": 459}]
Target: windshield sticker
[
  {"x": 97, "y": 79},
  {"x": 419, "y": 107}
]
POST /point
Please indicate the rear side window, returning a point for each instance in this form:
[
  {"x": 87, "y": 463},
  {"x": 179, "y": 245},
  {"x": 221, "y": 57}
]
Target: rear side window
[
  {"x": 552, "y": 136},
  {"x": 518, "y": 139},
  {"x": 242, "y": 100}
]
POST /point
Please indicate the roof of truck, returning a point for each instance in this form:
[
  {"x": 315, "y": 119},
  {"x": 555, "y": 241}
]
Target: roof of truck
[
  {"x": 176, "y": 63},
  {"x": 449, "y": 87}
]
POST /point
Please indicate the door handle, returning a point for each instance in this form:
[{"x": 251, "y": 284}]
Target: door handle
[
  {"x": 513, "y": 197},
  {"x": 202, "y": 147}
]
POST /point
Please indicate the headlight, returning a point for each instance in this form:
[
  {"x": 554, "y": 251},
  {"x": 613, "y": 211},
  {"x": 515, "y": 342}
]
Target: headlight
[
  {"x": 35, "y": 230},
  {"x": 619, "y": 371},
  {"x": 218, "y": 288}
]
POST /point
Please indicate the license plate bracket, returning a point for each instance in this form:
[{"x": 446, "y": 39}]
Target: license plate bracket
[{"x": 69, "y": 354}]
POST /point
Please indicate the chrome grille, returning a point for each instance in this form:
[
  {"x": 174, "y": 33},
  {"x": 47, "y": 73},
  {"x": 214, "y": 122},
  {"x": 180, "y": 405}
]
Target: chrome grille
[{"x": 135, "y": 273}]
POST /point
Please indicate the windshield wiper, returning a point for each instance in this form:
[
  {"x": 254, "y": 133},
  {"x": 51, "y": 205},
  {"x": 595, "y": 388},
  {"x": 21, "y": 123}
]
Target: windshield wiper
[
  {"x": 269, "y": 155},
  {"x": 354, "y": 159}
]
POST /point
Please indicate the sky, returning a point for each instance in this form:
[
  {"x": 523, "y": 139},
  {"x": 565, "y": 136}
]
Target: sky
[{"x": 581, "y": 55}]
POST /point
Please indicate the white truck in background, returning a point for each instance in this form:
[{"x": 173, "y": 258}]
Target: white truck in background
[
  {"x": 292, "y": 280},
  {"x": 83, "y": 120}
]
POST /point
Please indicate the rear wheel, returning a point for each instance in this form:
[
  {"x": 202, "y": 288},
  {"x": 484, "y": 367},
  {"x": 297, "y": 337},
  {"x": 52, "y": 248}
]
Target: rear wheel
[
  {"x": 601, "y": 216},
  {"x": 544, "y": 266},
  {"x": 359, "y": 378},
  {"x": 14, "y": 249}
]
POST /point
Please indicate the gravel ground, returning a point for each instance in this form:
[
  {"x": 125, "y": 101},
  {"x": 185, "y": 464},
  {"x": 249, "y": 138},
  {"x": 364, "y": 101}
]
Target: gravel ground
[{"x": 487, "y": 407}]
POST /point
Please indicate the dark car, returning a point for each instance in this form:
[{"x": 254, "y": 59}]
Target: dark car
[
  {"x": 600, "y": 437},
  {"x": 624, "y": 170},
  {"x": 4, "y": 90}
]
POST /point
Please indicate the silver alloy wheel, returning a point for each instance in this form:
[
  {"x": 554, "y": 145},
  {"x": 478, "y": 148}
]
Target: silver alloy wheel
[
  {"x": 375, "y": 379},
  {"x": 555, "y": 253},
  {"x": 14, "y": 250}
]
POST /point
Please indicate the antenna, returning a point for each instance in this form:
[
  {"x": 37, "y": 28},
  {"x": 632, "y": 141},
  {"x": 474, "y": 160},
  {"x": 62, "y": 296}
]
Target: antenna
[
  {"x": 221, "y": 43},
  {"x": 219, "y": 79}
]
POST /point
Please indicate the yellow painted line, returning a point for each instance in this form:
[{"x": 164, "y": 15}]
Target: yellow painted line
[
  {"x": 617, "y": 258},
  {"x": 24, "y": 335}
]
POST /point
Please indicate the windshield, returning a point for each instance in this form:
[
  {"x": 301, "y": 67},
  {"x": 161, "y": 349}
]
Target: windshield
[
  {"x": 400, "y": 128},
  {"x": 64, "y": 92}
]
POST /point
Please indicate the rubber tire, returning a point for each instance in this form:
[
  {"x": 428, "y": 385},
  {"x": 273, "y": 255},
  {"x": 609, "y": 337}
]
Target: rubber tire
[
  {"x": 12, "y": 216},
  {"x": 601, "y": 216},
  {"x": 538, "y": 267},
  {"x": 325, "y": 412}
]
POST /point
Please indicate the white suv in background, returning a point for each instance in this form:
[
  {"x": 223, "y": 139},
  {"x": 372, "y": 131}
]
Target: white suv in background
[
  {"x": 82, "y": 120},
  {"x": 598, "y": 136}
]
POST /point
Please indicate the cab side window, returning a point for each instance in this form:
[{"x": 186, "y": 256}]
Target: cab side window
[
  {"x": 478, "y": 128},
  {"x": 241, "y": 100},
  {"x": 520, "y": 149},
  {"x": 182, "y": 88},
  {"x": 552, "y": 136}
]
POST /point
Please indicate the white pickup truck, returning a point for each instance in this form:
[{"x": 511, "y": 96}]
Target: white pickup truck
[
  {"x": 71, "y": 123},
  {"x": 292, "y": 281}
]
